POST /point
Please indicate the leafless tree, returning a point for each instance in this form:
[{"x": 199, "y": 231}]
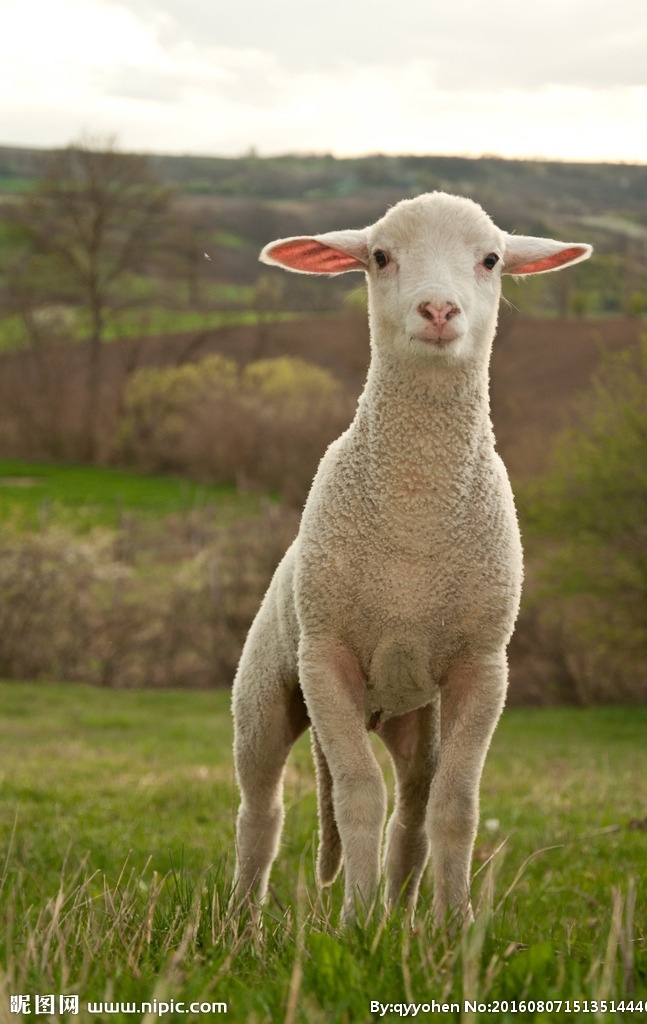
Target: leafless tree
[{"x": 91, "y": 225}]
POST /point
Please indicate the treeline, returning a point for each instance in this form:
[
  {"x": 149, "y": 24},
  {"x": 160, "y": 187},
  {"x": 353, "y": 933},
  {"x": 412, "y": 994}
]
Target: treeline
[
  {"x": 582, "y": 636},
  {"x": 570, "y": 188},
  {"x": 228, "y": 208}
]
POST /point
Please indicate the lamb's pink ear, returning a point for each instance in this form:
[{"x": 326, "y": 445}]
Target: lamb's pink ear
[
  {"x": 333, "y": 253},
  {"x": 527, "y": 255}
]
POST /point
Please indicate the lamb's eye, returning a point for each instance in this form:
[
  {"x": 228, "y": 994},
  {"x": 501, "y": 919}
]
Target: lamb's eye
[
  {"x": 491, "y": 261},
  {"x": 381, "y": 257}
]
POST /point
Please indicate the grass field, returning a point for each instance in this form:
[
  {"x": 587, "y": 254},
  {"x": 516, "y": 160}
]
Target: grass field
[
  {"x": 117, "y": 812},
  {"x": 86, "y": 496},
  {"x": 13, "y": 334}
]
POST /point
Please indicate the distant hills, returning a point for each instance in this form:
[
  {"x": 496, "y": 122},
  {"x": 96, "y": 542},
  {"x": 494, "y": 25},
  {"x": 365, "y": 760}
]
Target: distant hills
[
  {"x": 231, "y": 206},
  {"x": 572, "y": 188}
]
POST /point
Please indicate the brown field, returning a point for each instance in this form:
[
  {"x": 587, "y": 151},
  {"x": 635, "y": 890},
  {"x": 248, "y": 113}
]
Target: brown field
[{"x": 539, "y": 366}]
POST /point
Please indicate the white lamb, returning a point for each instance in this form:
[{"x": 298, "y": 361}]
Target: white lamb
[{"x": 392, "y": 609}]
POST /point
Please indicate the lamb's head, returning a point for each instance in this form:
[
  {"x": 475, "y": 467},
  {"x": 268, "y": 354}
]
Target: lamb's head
[{"x": 433, "y": 266}]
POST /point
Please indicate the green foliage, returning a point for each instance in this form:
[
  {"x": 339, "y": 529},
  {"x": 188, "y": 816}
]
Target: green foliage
[
  {"x": 35, "y": 494},
  {"x": 590, "y": 510},
  {"x": 289, "y": 383},
  {"x": 637, "y": 304},
  {"x": 266, "y": 425},
  {"x": 159, "y": 401},
  {"x": 117, "y": 826}
]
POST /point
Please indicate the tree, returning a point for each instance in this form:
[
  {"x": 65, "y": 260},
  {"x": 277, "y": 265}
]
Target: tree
[
  {"x": 589, "y": 514},
  {"x": 91, "y": 225}
]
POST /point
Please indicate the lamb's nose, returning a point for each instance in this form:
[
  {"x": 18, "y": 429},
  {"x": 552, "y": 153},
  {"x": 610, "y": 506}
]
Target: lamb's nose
[{"x": 439, "y": 314}]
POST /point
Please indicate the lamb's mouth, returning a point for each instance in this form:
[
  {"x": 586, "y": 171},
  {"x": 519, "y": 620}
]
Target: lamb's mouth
[{"x": 439, "y": 341}]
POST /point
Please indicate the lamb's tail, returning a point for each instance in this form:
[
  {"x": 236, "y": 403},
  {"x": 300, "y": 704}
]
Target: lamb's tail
[{"x": 329, "y": 855}]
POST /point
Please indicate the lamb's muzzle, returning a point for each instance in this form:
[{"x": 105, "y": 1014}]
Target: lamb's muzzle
[
  {"x": 438, "y": 327},
  {"x": 396, "y": 601}
]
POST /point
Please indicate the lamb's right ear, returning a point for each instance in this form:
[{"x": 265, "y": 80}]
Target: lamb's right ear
[{"x": 333, "y": 253}]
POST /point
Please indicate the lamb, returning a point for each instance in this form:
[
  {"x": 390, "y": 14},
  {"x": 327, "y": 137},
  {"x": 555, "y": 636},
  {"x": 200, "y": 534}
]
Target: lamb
[{"x": 393, "y": 608}]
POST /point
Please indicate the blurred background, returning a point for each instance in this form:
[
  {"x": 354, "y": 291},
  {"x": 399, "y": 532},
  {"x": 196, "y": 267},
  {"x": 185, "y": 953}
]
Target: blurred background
[{"x": 164, "y": 400}]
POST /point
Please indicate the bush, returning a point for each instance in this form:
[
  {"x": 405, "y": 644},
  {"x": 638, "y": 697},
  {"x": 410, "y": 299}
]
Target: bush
[
  {"x": 161, "y": 404},
  {"x": 262, "y": 427},
  {"x": 294, "y": 409},
  {"x": 588, "y": 518},
  {"x": 45, "y": 586},
  {"x": 165, "y": 605}
]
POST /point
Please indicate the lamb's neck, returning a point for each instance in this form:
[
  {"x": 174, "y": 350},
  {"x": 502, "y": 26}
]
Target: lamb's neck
[{"x": 419, "y": 425}]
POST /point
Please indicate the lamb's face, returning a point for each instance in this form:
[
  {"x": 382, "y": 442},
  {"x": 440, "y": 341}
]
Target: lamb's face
[
  {"x": 434, "y": 273},
  {"x": 434, "y": 267}
]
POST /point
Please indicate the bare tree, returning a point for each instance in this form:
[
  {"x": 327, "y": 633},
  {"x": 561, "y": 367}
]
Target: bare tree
[{"x": 91, "y": 225}]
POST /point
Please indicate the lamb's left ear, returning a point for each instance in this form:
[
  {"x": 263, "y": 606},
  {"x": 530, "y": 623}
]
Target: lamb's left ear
[
  {"x": 527, "y": 255},
  {"x": 333, "y": 253}
]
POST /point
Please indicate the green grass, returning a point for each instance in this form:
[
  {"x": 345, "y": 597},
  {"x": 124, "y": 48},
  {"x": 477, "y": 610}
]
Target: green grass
[
  {"x": 155, "y": 320},
  {"x": 168, "y": 321},
  {"x": 117, "y": 813},
  {"x": 87, "y": 496},
  {"x": 13, "y": 183}
]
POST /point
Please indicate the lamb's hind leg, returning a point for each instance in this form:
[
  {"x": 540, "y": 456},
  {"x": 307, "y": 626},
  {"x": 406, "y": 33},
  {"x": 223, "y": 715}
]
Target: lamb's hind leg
[
  {"x": 329, "y": 856},
  {"x": 264, "y": 732},
  {"x": 472, "y": 697},
  {"x": 412, "y": 741}
]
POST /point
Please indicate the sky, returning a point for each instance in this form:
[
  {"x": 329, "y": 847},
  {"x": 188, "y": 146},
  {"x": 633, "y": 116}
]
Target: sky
[{"x": 559, "y": 79}]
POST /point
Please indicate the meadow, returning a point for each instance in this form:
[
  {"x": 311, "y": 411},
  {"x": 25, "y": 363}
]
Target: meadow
[
  {"x": 117, "y": 811},
  {"x": 32, "y": 493},
  {"x": 156, "y": 321}
]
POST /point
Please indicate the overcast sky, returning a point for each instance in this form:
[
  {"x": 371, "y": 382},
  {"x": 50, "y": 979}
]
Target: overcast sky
[{"x": 564, "y": 79}]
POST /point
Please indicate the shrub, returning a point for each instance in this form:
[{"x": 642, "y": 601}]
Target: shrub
[
  {"x": 46, "y": 581},
  {"x": 294, "y": 409},
  {"x": 148, "y": 605},
  {"x": 588, "y": 516},
  {"x": 262, "y": 427},
  {"x": 160, "y": 403}
]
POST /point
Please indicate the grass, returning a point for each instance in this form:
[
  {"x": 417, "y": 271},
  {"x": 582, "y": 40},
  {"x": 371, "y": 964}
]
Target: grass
[
  {"x": 87, "y": 496},
  {"x": 156, "y": 320},
  {"x": 117, "y": 814},
  {"x": 168, "y": 321}
]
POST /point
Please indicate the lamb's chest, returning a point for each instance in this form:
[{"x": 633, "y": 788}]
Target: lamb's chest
[{"x": 405, "y": 668}]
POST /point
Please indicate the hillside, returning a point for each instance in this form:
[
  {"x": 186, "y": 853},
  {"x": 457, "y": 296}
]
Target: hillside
[
  {"x": 540, "y": 366},
  {"x": 570, "y": 188},
  {"x": 229, "y": 208}
]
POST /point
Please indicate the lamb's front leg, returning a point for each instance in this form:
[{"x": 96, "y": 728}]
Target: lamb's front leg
[
  {"x": 333, "y": 685},
  {"x": 472, "y": 697}
]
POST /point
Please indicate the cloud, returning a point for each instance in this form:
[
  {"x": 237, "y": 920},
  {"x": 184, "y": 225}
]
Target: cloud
[
  {"x": 469, "y": 43},
  {"x": 347, "y": 77},
  {"x": 128, "y": 81}
]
